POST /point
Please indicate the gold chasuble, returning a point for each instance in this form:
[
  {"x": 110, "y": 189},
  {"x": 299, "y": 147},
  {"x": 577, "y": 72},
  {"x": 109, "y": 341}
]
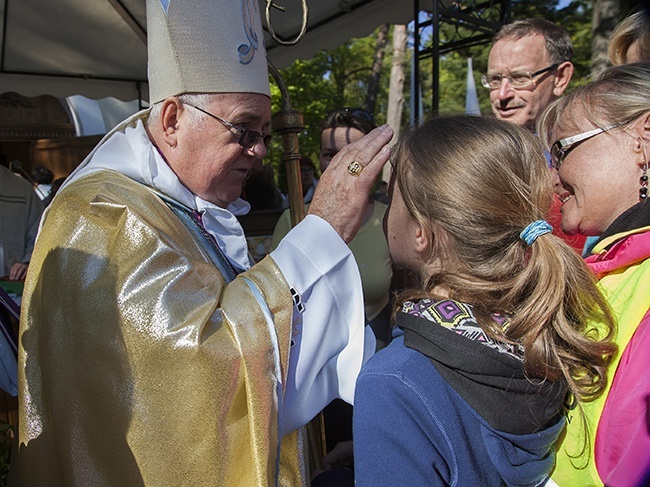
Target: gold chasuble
[{"x": 139, "y": 364}]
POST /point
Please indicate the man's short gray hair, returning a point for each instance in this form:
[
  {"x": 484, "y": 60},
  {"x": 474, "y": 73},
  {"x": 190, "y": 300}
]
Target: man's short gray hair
[
  {"x": 557, "y": 40},
  {"x": 196, "y": 99}
]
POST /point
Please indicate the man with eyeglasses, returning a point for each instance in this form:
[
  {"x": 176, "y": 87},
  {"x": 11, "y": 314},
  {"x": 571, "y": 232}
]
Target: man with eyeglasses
[
  {"x": 152, "y": 351},
  {"x": 529, "y": 66}
]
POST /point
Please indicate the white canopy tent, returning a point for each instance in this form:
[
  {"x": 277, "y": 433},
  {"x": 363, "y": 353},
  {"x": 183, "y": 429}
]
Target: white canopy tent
[{"x": 97, "y": 48}]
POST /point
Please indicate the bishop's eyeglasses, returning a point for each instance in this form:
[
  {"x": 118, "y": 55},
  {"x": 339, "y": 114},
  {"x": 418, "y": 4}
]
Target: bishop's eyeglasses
[{"x": 248, "y": 138}]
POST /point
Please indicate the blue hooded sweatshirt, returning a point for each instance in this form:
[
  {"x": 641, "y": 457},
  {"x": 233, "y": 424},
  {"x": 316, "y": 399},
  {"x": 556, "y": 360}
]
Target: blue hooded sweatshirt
[{"x": 436, "y": 408}]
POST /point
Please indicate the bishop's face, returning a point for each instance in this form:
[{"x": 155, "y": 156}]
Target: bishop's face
[{"x": 209, "y": 160}]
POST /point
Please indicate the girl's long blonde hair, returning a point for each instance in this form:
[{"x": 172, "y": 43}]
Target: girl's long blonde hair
[{"x": 474, "y": 184}]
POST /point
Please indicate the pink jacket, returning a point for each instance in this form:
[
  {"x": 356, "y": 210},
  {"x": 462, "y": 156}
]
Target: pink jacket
[{"x": 622, "y": 449}]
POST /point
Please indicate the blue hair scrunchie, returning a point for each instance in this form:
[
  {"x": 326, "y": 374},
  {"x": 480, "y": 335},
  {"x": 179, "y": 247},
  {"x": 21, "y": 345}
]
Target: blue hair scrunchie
[{"x": 534, "y": 230}]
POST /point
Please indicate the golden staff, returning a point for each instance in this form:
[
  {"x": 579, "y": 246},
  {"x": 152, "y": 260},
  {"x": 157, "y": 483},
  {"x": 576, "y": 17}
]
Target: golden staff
[{"x": 289, "y": 123}]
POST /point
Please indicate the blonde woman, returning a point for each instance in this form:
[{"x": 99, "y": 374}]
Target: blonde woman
[
  {"x": 599, "y": 140},
  {"x": 630, "y": 40}
]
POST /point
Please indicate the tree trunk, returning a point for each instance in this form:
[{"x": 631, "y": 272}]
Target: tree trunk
[
  {"x": 373, "y": 83},
  {"x": 396, "y": 90},
  {"x": 604, "y": 19}
]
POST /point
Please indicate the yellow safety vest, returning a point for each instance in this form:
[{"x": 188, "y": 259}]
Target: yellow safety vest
[{"x": 628, "y": 293}]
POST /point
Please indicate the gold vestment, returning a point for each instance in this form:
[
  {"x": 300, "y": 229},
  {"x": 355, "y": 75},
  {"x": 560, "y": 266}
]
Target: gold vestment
[{"x": 139, "y": 364}]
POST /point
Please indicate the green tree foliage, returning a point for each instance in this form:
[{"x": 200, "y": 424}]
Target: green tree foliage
[
  {"x": 339, "y": 78},
  {"x": 577, "y": 21},
  {"x": 331, "y": 79}
]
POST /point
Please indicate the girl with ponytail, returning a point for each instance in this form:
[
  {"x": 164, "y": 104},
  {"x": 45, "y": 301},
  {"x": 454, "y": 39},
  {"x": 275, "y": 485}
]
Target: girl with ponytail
[{"x": 506, "y": 330}]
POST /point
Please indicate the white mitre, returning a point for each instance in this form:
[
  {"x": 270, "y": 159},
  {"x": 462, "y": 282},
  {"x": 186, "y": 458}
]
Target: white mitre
[{"x": 205, "y": 46}]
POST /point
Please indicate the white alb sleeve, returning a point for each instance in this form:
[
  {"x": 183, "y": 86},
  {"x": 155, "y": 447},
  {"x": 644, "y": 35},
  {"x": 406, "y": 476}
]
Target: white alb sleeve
[{"x": 332, "y": 343}]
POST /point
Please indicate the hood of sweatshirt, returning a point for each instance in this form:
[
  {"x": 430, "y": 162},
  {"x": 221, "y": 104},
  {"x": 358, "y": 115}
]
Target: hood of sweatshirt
[{"x": 521, "y": 418}]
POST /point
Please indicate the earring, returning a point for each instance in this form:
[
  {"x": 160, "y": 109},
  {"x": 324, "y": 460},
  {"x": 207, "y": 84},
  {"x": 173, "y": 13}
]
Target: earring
[{"x": 643, "y": 180}]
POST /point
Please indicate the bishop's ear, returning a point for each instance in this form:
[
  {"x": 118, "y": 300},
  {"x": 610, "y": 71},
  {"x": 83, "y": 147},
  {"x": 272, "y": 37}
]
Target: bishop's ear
[{"x": 170, "y": 113}]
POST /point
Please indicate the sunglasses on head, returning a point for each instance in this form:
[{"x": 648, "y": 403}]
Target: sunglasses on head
[{"x": 360, "y": 113}]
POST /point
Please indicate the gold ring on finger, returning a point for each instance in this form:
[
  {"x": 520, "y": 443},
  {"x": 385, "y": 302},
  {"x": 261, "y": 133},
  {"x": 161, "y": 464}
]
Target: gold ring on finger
[{"x": 355, "y": 168}]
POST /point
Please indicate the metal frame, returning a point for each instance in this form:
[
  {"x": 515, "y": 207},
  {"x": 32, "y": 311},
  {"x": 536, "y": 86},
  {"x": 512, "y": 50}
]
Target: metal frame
[{"x": 475, "y": 23}]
